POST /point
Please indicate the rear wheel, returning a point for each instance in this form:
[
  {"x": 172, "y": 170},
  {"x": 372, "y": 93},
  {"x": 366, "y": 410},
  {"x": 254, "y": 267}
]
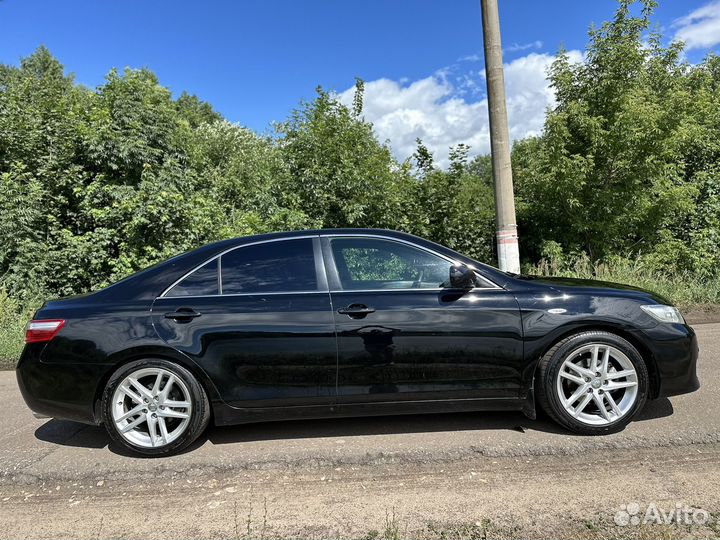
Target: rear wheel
[
  {"x": 592, "y": 382},
  {"x": 154, "y": 407}
]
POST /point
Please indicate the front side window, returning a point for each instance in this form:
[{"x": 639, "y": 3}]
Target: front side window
[
  {"x": 202, "y": 282},
  {"x": 369, "y": 263},
  {"x": 283, "y": 266}
]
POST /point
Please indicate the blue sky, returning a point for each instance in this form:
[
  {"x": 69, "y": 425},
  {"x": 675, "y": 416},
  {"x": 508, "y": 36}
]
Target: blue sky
[{"x": 255, "y": 60}]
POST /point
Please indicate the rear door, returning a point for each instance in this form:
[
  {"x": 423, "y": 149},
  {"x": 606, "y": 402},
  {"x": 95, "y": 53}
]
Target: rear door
[
  {"x": 258, "y": 320},
  {"x": 403, "y": 336}
]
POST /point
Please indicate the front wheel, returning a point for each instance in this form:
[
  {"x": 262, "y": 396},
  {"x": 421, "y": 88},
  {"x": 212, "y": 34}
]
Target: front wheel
[
  {"x": 154, "y": 407},
  {"x": 592, "y": 382}
]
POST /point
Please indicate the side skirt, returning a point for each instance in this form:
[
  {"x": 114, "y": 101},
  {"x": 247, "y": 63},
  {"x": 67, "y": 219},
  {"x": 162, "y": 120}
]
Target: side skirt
[{"x": 225, "y": 415}]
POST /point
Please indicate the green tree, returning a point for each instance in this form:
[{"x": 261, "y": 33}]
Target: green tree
[
  {"x": 339, "y": 173},
  {"x": 98, "y": 184},
  {"x": 195, "y": 111},
  {"x": 42, "y": 113},
  {"x": 456, "y": 207},
  {"x": 608, "y": 175}
]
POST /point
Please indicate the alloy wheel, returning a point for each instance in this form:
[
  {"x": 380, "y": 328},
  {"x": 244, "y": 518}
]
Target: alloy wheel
[
  {"x": 151, "y": 407},
  {"x": 597, "y": 384}
]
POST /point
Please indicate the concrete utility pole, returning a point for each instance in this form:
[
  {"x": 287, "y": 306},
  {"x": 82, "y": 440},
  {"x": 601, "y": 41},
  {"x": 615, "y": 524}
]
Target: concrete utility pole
[{"x": 507, "y": 239}]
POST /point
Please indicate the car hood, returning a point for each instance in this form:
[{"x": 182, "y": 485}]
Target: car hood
[{"x": 563, "y": 284}]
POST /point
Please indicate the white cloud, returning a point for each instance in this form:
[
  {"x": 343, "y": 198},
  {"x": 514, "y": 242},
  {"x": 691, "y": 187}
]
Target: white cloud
[
  {"x": 525, "y": 46},
  {"x": 438, "y": 109},
  {"x": 700, "y": 28}
]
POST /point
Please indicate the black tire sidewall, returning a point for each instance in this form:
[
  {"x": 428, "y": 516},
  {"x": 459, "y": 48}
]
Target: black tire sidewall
[
  {"x": 200, "y": 407},
  {"x": 555, "y": 362}
]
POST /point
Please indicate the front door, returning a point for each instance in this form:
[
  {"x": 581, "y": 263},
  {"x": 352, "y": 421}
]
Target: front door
[
  {"x": 258, "y": 320},
  {"x": 402, "y": 335}
]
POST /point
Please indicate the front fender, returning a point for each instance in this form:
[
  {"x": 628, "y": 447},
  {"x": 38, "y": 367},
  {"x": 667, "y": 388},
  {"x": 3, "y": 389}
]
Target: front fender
[{"x": 548, "y": 319}]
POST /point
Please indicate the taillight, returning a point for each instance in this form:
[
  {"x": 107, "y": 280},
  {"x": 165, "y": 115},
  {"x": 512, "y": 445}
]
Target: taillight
[{"x": 42, "y": 330}]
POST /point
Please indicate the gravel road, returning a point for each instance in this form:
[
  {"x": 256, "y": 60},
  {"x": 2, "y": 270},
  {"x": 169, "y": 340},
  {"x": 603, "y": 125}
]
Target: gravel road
[{"x": 498, "y": 474}]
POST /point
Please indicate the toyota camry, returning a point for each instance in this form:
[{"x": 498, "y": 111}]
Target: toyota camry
[{"x": 346, "y": 322}]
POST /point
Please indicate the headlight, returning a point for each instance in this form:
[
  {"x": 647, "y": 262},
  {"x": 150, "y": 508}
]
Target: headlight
[{"x": 668, "y": 314}]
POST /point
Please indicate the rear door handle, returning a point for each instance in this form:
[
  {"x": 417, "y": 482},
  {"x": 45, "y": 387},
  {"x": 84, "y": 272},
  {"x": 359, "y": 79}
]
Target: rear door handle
[
  {"x": 356, "y": 310},
  {"x": 182, "y": 314}
]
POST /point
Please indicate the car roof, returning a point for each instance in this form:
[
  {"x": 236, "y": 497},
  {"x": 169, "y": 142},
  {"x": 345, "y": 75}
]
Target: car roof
[{"x": 150, "y": 282}]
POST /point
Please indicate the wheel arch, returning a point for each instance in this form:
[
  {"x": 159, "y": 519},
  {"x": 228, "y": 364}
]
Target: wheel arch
[
  {"x": 605, "y": 326},
  {"x": 169, "y": 355}
]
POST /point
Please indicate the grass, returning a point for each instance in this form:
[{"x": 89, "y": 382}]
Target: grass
[
  {"x": 686, "y": 291},
  {"x": 689, "y": 292},
  {"x": 567, "y": 528}
]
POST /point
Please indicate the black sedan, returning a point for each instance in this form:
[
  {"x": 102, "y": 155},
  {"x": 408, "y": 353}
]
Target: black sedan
[{"x": 346, "y": 322}]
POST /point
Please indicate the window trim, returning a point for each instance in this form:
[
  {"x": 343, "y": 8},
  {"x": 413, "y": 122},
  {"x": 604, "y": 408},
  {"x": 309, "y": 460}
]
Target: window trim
[
  {"x": 219, "y": 271},
  {"x": 324, "y": 264},
  {"x": 319, "y": 271},
  {"x": 332, "y": 267},
  {"x": 207, "y": 262}
]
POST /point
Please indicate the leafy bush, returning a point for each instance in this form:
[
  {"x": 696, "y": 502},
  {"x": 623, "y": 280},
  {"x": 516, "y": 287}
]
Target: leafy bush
[
  {"x": 628, "y": 159},
  {"x": 13, "y": 319}
]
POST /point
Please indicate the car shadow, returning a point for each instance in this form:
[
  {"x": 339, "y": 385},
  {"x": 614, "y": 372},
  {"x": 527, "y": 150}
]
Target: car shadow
[
  {"x": 657, "y": 408},
  {"x": 66, "y": 433},
  {"x": 405, "y": 424}
]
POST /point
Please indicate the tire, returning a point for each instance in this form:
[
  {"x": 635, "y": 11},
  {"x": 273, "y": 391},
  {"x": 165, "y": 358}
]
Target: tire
[
  {"x": 571, "y": 393},
  {"x": 154, "y": 407}
]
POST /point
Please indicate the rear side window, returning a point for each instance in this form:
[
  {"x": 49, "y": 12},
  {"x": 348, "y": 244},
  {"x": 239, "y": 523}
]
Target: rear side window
[
  {"x": 284, "y": 266},
  {"x": 202, "y": 282}
]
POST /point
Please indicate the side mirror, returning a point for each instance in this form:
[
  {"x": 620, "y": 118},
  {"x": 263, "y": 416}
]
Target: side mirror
[{"x": 461, "y": 277}]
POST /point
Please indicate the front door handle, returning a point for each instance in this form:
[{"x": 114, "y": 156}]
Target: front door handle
[
  {"x": 356, "y": 311},
  {"x": 182, "y": 314}
]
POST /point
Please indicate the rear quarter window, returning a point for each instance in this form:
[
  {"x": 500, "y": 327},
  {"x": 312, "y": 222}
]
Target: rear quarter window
[{"x": 202, "y": 282}]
